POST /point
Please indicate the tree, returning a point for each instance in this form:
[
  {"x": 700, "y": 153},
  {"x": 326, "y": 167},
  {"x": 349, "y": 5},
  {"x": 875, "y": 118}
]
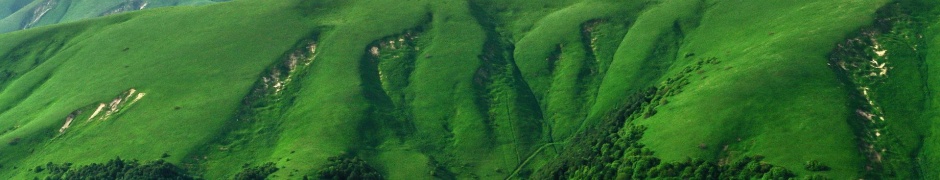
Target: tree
[
  {"x": 257, "y": 172},
  {"x": 779, "y": 173},
  {"x": 118, "y": 169},
  {"x": 348, "y": 168},
  {"x": 816, "y": 166}
]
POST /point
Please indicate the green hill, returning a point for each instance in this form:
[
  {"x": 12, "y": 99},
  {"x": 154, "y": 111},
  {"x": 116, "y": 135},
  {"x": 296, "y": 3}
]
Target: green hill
[
  {"x": 23, "y": 14},
  {"x": 479, "y": 89}
]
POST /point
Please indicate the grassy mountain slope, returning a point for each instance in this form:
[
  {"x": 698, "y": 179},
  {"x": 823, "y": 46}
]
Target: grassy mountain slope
[
  {"x": 774, "y": 92},
  {"x": 23, "y": 14},
  {"x": 474, "y": 89}
]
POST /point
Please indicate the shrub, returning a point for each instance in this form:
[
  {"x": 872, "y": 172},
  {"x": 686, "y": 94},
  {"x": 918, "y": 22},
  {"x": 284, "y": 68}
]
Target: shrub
[
  {"x": 815, "y": 165},
  {"x": 257, "y": 172},
  {"x": 348, "y": 168},
  {"x": 118, "y": 169}
]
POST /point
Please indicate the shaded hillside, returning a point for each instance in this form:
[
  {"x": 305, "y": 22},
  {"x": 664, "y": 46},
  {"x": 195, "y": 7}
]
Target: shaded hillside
[
  {"x": 24, "y": 14},
  {"x": 486, "y": 89}
]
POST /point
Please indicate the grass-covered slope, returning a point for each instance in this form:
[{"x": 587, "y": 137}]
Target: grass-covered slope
[
  {"x": 771, "y": 95},
  {"x": 475, "y": 89},
  {"x": 23, "y": 14}
]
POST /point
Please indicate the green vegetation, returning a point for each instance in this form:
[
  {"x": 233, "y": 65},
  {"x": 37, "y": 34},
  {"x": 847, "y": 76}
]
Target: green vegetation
[
  {"x": 348, "y": 168},
  {"x": 23, "y": 14},
  {"x": 816, "y": 166},
  {"x": 612, "y": 151},
  {"x": 257, "y": 172},
  {"x": 883, "y": 68},
  {"x": 115, "y": 169},
  {"x": 476, "y": 89}
]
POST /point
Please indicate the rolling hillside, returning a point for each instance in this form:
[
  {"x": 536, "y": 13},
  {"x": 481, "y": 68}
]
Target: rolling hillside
[
  {"x": 23, "y": 14},
  {"x": 478, "y": 89}
]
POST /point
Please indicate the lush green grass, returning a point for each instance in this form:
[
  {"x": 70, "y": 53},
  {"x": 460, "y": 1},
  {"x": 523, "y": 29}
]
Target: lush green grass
[
  {"x": 465, "y": 89},
  {"x": 22, "y": 14},
  {"x": 203, "y": 72},
  {"x": 931, "y": 141},
  {"x": 774, "y": 94}
]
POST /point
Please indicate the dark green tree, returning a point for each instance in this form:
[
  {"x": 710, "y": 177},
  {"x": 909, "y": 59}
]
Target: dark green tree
[{"x": 257, "y": 172}]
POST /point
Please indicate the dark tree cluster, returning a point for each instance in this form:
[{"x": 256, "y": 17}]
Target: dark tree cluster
[
  {"x": 342, "y": 168},
  {"x": 256, "y": 172},
  {"x": 815, "y": 165},
  {"x": 117, "y": 169}
]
